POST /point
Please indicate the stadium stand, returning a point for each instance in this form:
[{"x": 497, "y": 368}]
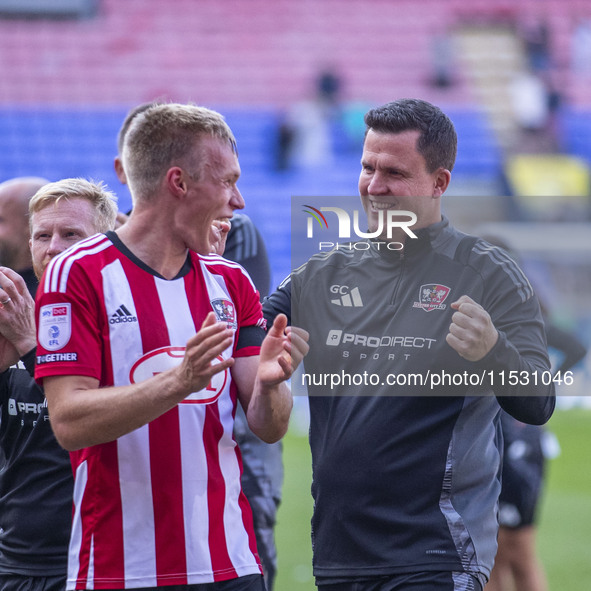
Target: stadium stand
[{"x": 67, "y": 84}]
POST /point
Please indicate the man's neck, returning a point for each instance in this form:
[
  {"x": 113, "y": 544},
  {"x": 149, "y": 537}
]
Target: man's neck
[{"x": 153, "y": 244}]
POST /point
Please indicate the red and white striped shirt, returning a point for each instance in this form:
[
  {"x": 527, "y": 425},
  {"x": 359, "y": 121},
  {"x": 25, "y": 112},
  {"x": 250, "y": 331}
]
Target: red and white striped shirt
[{"x": 163, "y": 504}]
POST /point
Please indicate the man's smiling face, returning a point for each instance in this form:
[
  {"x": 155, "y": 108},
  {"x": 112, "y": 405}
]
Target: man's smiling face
[{"x": 394, "y": 176}]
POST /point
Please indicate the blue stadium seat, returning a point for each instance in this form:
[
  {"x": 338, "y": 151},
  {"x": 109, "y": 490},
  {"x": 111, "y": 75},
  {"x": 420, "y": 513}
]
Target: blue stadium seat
[{"x": 62, "y": 142}]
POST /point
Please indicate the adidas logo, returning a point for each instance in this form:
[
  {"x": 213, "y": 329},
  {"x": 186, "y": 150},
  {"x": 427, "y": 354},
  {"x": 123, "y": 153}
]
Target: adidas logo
[
  {"x": 122, "y": 314},
  {"x": 351, "y": 299}
]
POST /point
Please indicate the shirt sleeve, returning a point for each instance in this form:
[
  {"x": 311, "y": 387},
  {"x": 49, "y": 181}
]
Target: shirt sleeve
[
  {"x": 279, "y": 302},
  {"x": 68, "y": 329},
  {"x": 521, "y": 347},
  {"x": 28, "y": 360},
  {"x": 251, "y": 323}
]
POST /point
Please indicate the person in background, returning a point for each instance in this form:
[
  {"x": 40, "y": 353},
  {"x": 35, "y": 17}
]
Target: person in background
[
  {"x": 262, "y": 477},
  {"x": 526, "y": 449},
  {"x": 36, "y": 475},
  {"x": 14, "y": 226}
]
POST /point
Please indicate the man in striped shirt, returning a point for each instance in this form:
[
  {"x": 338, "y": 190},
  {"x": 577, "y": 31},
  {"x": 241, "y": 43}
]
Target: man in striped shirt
[
  {"x": 145, "y": 348},
  {"x": 262, "y": 475}
]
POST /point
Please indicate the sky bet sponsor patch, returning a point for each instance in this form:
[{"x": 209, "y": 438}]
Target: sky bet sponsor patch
[{"x": 55, "y": 326}]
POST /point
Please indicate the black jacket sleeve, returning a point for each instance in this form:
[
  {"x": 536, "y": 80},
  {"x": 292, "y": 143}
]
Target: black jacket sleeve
[
  {"x": 279, "y": 302},
  {"x": 246, "y": 246},
  {"x": 28, "y": 360},
  {"x": 542, "y": 407},
  {"x": 518, "y": 364},
  {"x": 567, "y": 343},
  {"x": 533, "y": 410}
]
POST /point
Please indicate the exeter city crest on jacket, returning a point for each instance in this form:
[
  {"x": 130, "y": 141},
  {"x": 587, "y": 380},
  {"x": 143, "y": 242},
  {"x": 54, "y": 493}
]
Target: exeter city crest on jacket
[{"x": 432, "y": 296}]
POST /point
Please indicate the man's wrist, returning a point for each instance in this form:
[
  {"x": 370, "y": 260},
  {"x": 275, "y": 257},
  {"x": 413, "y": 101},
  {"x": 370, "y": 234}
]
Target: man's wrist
[{"x": 25, "y": 346}]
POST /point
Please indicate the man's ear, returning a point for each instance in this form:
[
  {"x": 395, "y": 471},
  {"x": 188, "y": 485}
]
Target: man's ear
[
  {"x": 442, "y": 180},
  {"x": 119, "y": 170},
  {"x": 176, "y": 181}
]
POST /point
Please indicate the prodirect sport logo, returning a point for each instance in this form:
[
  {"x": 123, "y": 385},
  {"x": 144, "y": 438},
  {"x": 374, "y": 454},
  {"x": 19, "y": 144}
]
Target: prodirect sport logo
[{"x": 337, "y": 337}]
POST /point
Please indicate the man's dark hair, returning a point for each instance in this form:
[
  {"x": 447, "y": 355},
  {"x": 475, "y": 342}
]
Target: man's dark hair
[{"x": 437, "y": 142}]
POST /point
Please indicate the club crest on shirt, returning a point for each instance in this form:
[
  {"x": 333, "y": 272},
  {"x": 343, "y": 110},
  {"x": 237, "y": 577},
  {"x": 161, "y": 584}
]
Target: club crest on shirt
[
  {"x": 225, "y": 312},
  {"x": 55, "y": 326},
  {"x": 432, "y": 296}
]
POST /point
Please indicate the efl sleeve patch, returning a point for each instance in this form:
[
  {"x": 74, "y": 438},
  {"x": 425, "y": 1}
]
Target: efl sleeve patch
[{"x": 55, "y": 326}]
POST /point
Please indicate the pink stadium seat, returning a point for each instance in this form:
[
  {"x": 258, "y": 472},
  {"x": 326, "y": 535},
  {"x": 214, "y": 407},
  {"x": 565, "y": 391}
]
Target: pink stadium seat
[{"x": 261, "y": 51}]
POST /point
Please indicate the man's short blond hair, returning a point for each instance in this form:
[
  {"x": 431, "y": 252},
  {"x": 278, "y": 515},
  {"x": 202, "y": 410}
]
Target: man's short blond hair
[
  {"x": 103, "y": 200},
  {"x": 166, "y": 135}
]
